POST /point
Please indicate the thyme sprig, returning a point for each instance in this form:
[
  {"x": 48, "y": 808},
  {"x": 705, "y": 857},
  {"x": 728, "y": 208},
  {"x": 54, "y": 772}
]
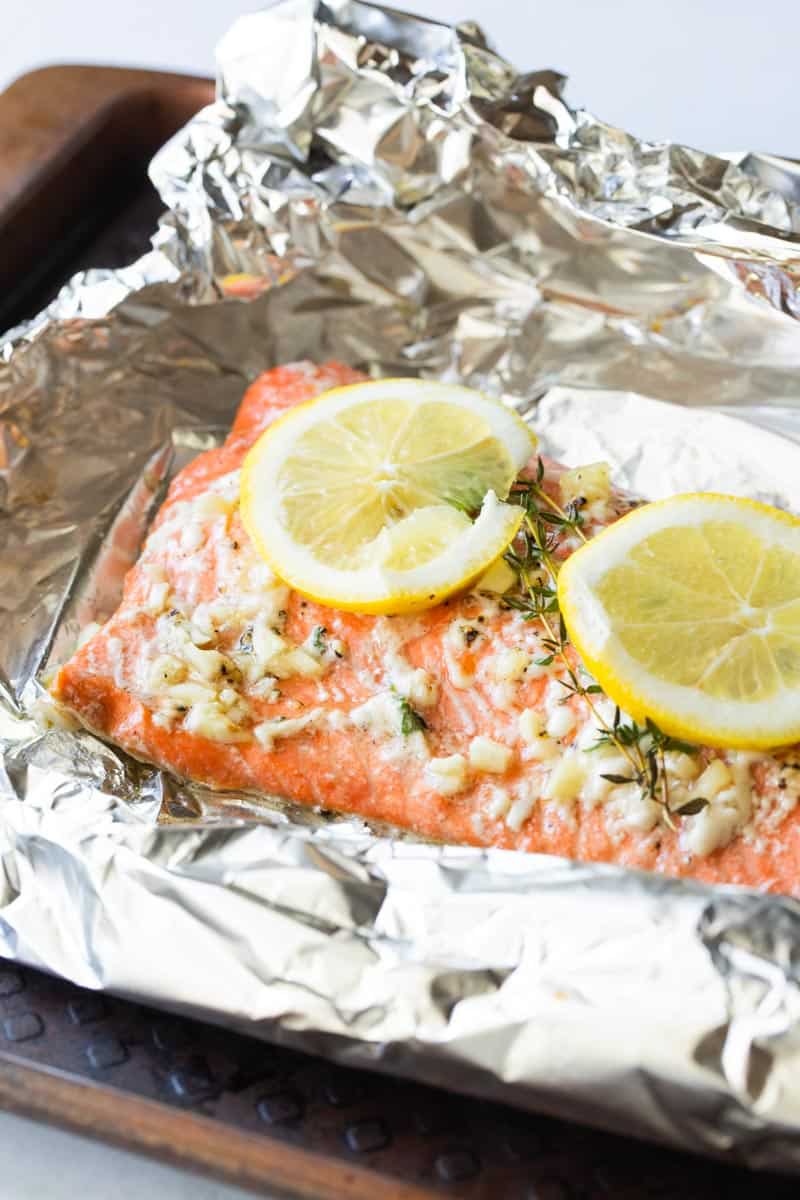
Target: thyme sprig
[
  {"x": 649, "y": 745},
  {"x": 534, "y": 557},
  {"x": 539, "y": 504}
]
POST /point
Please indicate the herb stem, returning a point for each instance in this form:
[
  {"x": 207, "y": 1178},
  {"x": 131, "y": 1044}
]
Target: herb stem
[
  {"x": 559, "y": 644},
  {"x": 555, "y": 507},
  {"x": 643, "y": 747}
]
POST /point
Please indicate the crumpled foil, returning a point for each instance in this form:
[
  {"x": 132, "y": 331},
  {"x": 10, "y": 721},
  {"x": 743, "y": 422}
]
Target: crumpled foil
[{"x": 417, "y": 206}]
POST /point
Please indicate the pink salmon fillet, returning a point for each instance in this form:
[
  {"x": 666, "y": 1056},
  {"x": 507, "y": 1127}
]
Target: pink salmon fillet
[{"x": 343, "y": 748}]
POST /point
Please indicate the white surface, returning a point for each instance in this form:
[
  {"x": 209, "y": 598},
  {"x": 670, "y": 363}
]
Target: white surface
[
  {"x": 38, "y": 1162},
  {"x": 718, "y": 74}
]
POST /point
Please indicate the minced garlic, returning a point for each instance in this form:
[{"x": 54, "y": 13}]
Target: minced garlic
[
  {"x": 498, "y": 803},
  {"x": 561, "y": 721},
  {"x": 520, "y": 810},
  {"x": 209, "y": 721},
  {"x": 487, "y": 755},
  {"x": 189, "y": 693},
  {"x": 591, "y": 482},
  {"x": 296, "y": 661},
  {"x": 165, "y": 671},
  {"x": 498, "y": 579},
  {"x": 157, "y": 599},
  {"x": 507, "y": 666},
  {"x": 208, "y": 664},
  {"x": 531, "y": 724},
  {"x": 447, "y": 776},
  {"x": 566, "y": 778},
  {"x": 540, "y": 749},
  {"x": 268, "y": 732},
  {"x": 715, "y": 778},
  {"x": 630, "y": 808},
  {"x": 684, "y": 767}
]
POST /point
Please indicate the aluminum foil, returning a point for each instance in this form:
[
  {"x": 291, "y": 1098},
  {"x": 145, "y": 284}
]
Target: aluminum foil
[{"x": 406, "y": 201}]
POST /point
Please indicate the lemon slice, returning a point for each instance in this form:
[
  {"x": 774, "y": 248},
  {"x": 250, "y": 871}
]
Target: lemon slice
[
  {"x": 362, "y": 498},
  {"x": 687, "y": 611}
]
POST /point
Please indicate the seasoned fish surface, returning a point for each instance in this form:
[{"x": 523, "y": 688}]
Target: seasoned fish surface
[{"x": 450, "y": 724}]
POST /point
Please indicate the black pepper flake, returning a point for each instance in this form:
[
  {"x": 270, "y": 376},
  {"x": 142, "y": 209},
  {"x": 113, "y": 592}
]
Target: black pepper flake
[
  {"x": 236, "y": 545},
  {"x": 781, "y": 783},
  {"x": 470, "y": 635}
]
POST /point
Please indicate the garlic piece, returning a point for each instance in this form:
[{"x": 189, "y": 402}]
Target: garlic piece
[
  {"x": 497, "y": 579},
  {"x": 447, "y": 776},
  {"x": 591, "y": 482},
  {"x": 209, "y": 721},
  {"x": 165, "y": 671},
  {"x": 487, "y": 755},
  {"x": 508, "y": 666},
  {"x": 561, "y": 721},
  {"x": 531, "y": 724},
  {"x": 566, "y": 779},
  {"x": 716, "y": 777}
]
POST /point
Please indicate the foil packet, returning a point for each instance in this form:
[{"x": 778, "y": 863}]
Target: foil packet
[{"x": 388, "y": 191}]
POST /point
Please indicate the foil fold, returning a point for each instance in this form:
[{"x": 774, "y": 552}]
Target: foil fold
[{"x": 397, "y": 196}]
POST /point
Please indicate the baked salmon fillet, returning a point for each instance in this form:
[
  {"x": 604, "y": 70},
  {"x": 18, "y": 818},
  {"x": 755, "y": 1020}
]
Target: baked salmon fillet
[{"x": 453, "y": 724}]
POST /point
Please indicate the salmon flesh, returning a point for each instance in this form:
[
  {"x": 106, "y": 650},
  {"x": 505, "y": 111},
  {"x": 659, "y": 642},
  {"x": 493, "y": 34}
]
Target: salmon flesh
[{"x": 450, "y": 724}]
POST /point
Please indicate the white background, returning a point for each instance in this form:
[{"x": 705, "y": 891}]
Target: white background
[{"x": 718, "y": 74}]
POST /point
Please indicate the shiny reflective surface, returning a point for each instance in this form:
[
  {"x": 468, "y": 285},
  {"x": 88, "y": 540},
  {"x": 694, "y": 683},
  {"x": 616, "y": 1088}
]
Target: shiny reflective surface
[{"x": 419, "y": 207}]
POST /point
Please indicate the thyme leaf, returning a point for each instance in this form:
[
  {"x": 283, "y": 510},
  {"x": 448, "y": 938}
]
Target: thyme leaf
[
  {"x": 692, "y": 807},
  {"x": 410, "y": 719}
]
